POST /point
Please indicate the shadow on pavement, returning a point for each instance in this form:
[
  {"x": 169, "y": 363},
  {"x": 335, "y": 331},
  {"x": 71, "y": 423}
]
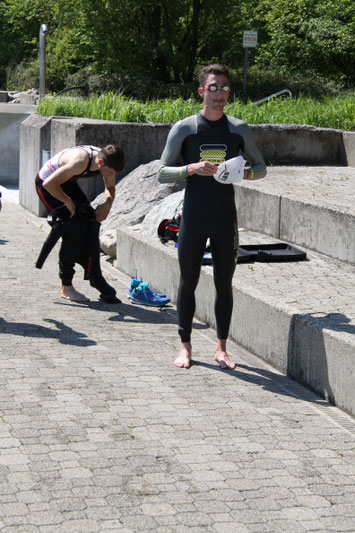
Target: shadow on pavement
[
  {"x": 268, "y": 380},
  {"x": 334, "y": 321},
  {"x": 63, "y": 333},
  {"x": 136, "y": 313}
]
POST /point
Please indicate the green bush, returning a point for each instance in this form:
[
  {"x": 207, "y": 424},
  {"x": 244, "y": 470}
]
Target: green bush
[
  {"x": 260, "y": 83},
  {"x": 23, "y": 76},
  {"x": 62, "y": 58},
  {"x": 61, "y": 73}
]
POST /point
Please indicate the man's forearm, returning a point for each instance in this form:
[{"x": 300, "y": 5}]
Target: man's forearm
[
  {"x": 103, "y": 210},
  {"x": 57, "y": 192},
  {"x": 167, "y": 174},
  {"x": 256, "y": 172},
  {"x": 110, "y": 193}
]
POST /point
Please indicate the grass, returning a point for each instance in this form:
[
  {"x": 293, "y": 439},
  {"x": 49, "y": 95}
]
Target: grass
[{"x": 330, "y": 112}]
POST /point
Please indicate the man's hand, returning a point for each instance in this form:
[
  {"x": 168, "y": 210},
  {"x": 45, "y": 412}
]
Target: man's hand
[
  {"x": 69, "y": 204},
  {"x": 203, "y": 168}
]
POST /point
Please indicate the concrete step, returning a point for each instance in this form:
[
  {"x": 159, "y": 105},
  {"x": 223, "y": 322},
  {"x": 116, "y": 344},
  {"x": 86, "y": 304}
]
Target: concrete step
[
  {"x": 299, "y": 317},
  {"x": 313, "y": 207}
]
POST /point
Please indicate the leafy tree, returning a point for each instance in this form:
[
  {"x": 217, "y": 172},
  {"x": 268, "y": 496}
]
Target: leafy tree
[
  {"x": 309, "y": 35},
  {"x": 156, "y": 38},
  {"x": 152, "y": 42}
]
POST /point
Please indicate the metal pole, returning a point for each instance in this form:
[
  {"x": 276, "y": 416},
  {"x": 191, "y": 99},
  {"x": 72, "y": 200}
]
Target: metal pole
[
  {"x": 245, "y": 71},
  {"x": 42, "y": 61}
]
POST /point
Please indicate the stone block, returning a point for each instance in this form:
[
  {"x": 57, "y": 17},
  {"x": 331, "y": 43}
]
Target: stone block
[
  {"x": 28, "y": 99},
  {"x": 349, "y": 146},
  {"x": 35, "y": 145},
  {"x": 11, "y": 118},
  {"x": 328, "y": 231},
  {"x": 322, "y": 358},
  {"x": 258, "y": 211}
]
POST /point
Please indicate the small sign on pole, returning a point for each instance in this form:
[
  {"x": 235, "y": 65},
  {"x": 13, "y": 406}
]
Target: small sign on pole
[{"x": 250, "y": 40}]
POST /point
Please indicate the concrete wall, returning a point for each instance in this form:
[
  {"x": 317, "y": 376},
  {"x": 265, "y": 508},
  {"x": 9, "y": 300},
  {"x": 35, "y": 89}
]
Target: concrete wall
[
  {"x": 11, "y": 118},
  {"x": 288, "y": 144},
  {"x": 143, "y": 143}
]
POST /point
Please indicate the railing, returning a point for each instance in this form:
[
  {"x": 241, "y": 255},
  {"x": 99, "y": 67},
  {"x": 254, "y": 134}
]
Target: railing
[
  {"x": 69, "y": 89},
  {"x": 283, "y": 92}
]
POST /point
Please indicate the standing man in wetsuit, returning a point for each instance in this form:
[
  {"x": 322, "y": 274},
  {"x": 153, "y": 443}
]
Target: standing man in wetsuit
[
  {"x": 56, "y": 186},
  {"x": 199, "y": 143}
]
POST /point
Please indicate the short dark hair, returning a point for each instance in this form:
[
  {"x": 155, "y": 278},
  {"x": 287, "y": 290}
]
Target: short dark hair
[
  {"x": 113, "y": 157},
  {"x": 216, "y": 68}
]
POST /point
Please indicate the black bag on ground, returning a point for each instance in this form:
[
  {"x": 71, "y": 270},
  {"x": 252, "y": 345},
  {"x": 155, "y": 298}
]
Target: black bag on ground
[{"x": 168, "y": 229}]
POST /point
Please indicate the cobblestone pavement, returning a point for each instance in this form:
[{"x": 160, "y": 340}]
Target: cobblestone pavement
[{"x": 99, "y": 432}]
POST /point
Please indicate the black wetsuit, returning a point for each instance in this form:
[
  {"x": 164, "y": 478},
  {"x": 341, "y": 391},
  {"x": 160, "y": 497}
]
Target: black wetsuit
[
  {"x": 209, "y": 209},
  {"x": 79, "y": 234}
]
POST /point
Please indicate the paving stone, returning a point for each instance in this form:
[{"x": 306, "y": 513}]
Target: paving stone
[
  {"x": 231, "y": 527},
  {"x": 20, "y": 529}
]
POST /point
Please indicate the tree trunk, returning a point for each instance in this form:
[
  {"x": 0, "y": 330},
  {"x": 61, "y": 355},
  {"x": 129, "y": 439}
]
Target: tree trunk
[{"x": 192, "y": 40}]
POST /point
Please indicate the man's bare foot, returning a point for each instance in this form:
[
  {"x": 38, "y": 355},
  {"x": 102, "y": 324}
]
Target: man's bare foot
[
  {"x": 221, "y": 357},
  {"x": 69, "y": 293},
  {"x": 224, "y": 362},
  {"x": 183, "y": 360}
]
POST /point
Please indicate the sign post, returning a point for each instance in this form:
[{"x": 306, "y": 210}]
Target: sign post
[{"x": 250, "y": 40}]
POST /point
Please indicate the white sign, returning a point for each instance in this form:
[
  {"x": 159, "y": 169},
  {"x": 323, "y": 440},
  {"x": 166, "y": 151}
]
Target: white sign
[{"x": 250, "y": 39}]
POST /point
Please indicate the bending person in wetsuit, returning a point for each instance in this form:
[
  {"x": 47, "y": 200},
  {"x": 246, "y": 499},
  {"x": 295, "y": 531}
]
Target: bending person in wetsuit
[
  {"x": 194, "y": 148},
  {"x": 56, "y": 186}
]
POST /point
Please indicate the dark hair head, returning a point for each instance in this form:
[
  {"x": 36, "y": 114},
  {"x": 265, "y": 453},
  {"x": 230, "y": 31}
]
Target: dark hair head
[
  {"x": 113, "y": 157},
  {"x": 216, "y": 68}
]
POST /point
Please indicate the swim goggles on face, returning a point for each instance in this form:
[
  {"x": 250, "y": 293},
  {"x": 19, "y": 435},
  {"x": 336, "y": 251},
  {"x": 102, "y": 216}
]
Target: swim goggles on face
[{"x": 214, "y": 88}]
